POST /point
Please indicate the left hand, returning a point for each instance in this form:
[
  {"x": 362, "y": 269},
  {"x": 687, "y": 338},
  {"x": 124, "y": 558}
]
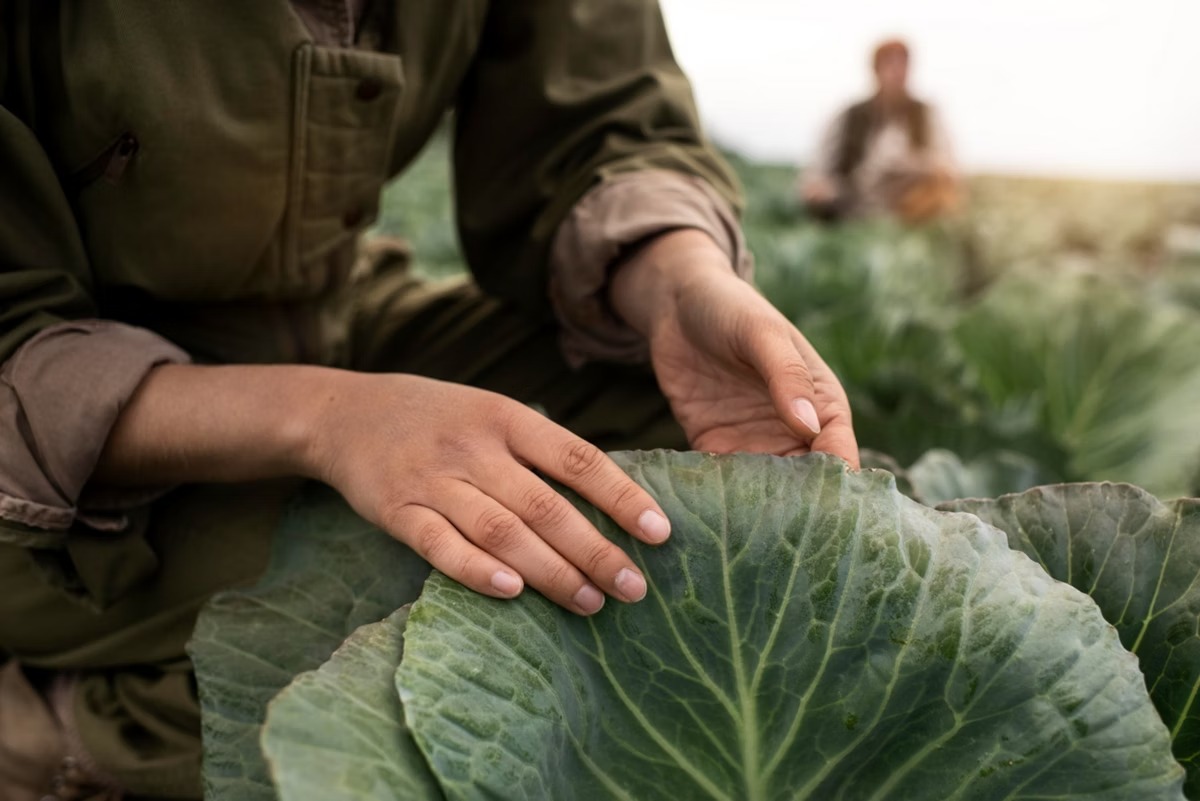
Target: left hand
[{"x": 738, "y": 375}]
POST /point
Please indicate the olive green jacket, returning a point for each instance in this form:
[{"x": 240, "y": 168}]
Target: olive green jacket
[{"x": 189, "y": 180}]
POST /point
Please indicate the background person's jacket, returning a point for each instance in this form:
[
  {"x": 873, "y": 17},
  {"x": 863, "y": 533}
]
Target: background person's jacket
[{"x": 874, "y": 162}]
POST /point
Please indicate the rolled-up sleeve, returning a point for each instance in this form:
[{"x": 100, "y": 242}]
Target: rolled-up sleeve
[
  {"x": 822, "y": 168},
  {"x": 64, "y": 375},
  {"x": 611, "y": 219},
  {"x": 60, "y": 395},
  {"x": 574, "y": 98}
]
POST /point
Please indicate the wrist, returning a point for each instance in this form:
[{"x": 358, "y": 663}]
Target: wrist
[
  {"x": 648, "y": 283},
  {"x": 305, "y": 436}
]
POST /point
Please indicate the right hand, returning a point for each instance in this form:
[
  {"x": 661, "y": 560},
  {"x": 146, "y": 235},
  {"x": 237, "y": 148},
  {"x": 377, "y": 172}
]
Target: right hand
[
  {"x": 928, "y": 196},
  {"x": 818, "y": 190},
  {"x": 448, "y": 470}
]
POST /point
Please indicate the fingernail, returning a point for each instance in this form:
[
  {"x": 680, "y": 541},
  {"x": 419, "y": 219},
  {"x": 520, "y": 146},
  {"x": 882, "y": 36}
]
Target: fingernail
[
  {"x": 631, "y": 586},
  {"x": 589, "y": 599},
  {"x": 654, "y": 526},
  {"x": 807, "y": 414},
  {"x": 506, "y": 583}
]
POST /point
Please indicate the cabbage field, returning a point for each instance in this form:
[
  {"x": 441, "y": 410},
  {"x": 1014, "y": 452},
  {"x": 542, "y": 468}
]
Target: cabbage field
[
  {"x": 1053, "y": 334},
  {"x": 1004, "y": 605}
]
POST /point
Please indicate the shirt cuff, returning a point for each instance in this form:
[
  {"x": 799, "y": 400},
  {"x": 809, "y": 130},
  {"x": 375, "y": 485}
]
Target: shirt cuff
[
  {"x": 60, "y": 395},
  {"x": 616, "y": 215}
]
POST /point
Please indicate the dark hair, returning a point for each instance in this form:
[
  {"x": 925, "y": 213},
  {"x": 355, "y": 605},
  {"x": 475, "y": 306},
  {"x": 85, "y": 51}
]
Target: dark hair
[{"x": 887, "y": 49}]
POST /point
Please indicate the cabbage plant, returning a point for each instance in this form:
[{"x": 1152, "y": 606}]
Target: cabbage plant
[{"x": 810, "y": 632}]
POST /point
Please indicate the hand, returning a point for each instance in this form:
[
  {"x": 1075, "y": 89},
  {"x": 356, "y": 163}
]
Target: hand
[
  {"x": 817, "y": 190},
  {"x": 448, "y": 470},
  {"x": 927, "y": 197},
  {"x": 738, "y": 375}
]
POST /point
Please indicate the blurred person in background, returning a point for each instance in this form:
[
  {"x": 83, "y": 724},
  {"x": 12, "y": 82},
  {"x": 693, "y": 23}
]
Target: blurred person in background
[{"x": 888, "y": 155}]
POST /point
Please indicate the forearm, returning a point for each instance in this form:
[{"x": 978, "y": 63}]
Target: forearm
[{"x": 190, "y": 423}]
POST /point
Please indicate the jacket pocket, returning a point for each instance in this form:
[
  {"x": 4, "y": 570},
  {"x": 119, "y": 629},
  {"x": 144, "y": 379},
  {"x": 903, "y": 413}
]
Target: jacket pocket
[{"x": 110, "y": 164}]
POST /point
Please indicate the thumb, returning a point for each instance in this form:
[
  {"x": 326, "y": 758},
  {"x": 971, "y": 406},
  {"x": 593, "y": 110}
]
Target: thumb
[{"x": 788, "y": 380}]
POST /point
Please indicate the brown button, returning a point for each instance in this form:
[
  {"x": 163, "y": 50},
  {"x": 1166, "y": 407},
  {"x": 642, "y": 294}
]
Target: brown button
[
  {"x": 369, "y": 89},
  {"x": 354, "y": 216}
]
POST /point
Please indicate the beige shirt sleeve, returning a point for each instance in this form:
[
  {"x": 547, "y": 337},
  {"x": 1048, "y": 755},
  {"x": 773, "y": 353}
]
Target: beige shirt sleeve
[
  {"x": 615, "y": 216},
  {"x": 821, "y": 169},
  {"x": 60, "y": 395}
]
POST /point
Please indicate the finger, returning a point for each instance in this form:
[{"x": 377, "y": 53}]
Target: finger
[
  {"x": 499, "y": 532},
  {"x": 774, "y": 355},
  {"x": 586, "y": 469},
  {"x": 837, "y": 435},
  {"x": 567, "y": 531},
  {"x": 838, "y": 438},
  {"x": 438, "y": 542}
]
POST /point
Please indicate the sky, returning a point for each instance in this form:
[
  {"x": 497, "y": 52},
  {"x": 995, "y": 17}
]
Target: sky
[{"x": 1097, "y": 88}]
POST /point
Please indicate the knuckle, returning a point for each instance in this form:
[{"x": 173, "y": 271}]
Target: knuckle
[
  {"x": 797, "y": 371},
  {"x": 559, "y": 576},
  {"x": 506, "y": 413},
  {"x": 595, "y": 557},
  {"x": 502, "y": 414},
  {"x": 499, "y": 531},
  {"x": 791, "y": 374},
  {"x": 459, "y": 446},
  {"x": 466, "y": 567},
  {"x": 581, "y": 459},
  {"x": 626, "y": 494},
  {"x": 543, "y": 507},
  {"x": 430, "y": 541},
  {"x": 393, "y": 517}
]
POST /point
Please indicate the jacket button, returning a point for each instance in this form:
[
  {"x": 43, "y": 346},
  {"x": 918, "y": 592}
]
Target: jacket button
[
  {"x": 369, "y": 89},
  {"x": 353, "y": 217}
]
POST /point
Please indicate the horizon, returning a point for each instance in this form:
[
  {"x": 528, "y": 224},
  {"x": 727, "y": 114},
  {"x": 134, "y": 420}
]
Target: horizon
[{"x": 1079, "y": 90}]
